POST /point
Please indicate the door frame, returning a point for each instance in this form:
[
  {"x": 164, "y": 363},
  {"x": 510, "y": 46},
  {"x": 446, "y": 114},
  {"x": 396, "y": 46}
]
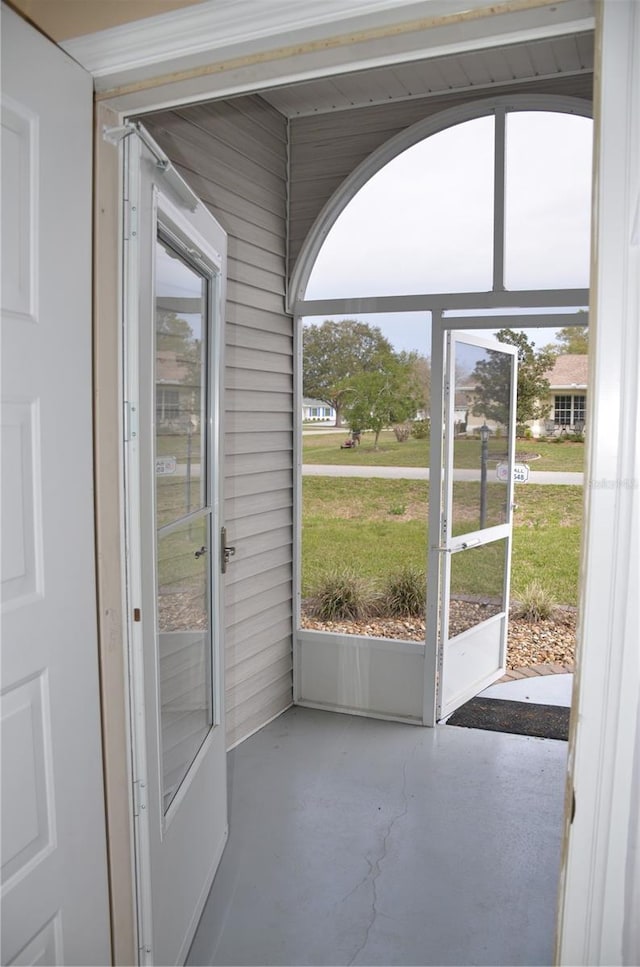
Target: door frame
[{"x": 615, "y": 271}]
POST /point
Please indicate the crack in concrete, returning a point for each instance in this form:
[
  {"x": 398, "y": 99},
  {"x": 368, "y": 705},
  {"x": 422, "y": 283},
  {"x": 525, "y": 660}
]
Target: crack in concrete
[{"x": 375, "y": 868}]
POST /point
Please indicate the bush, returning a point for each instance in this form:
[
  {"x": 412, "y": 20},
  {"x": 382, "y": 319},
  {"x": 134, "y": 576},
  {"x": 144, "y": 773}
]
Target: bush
[
  {"x": 535, "y": 603},
  {"x": 521, "y": 430},
  {"x": 420, "y": 429},
  {"x": 342, "y": 595},
  {"x": 405, "y": 593},
  {"x": 402, "y": 432}
]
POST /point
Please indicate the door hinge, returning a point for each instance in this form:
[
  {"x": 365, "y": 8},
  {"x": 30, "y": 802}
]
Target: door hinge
[
  {"x": 130, "y": 421},
  {"x": 139, "y": 797},
  {"x": 130, "y": 221}
]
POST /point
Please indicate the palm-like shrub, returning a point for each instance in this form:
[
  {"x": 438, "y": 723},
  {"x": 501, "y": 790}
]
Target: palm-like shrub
[
  {"x": 405, "y": 593},
  {"x": 534, "y": 603},
  {"x": 342, "y": 595}
]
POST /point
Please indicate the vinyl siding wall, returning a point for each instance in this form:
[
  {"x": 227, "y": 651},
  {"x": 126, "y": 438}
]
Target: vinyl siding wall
[
  {"x": 234, "y": 156},
  {"x": 326, "y": 148}
]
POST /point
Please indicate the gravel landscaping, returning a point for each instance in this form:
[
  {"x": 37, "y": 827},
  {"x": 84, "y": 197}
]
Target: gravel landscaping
[{"x": 530, "y": 642}]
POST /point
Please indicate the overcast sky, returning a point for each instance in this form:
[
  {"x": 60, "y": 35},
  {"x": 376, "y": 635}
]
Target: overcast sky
[{"x": 424, "y": 222}]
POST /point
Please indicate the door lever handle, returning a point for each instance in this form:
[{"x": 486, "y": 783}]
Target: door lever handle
[
  {"x": 226, "y": 551},
  {"x": 199, "y": 553}
]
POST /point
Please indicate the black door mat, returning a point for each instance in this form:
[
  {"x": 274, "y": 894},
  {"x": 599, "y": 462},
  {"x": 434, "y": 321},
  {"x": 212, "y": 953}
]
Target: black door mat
[{"x": 519, "y": 718}]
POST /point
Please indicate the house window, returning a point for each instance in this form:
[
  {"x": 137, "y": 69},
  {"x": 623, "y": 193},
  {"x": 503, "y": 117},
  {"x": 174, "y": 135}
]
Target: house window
[
  {"x": 569, "y": 410},
  {"x": 579, "y": 409},
  {"x": 167, "y": 404}
]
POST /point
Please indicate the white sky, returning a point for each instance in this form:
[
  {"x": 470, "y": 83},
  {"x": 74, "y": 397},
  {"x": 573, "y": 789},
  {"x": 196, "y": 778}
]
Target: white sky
[{"x": 424, "y": 222}]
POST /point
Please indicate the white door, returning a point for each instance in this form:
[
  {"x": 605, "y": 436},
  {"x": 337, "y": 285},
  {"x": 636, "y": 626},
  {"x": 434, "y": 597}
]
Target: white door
[
  {"x": 473, "y": 554},
  {"x": 55, "y": 907},
  {"x": 175, "y": 257}
]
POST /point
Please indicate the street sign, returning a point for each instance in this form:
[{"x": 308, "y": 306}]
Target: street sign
[{"x": 520, "y": 472}]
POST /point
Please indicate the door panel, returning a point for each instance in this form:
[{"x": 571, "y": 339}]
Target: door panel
[
  {"x": 54, "y": 877},
  {"x": 175, "y": 258},
  {"x": 476, "y": 487}
]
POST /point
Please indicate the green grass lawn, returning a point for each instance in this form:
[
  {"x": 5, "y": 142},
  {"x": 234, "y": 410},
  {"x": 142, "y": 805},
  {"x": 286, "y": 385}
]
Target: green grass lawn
[
  {"x": 374, "y": 526},
  {"x": 324, "y": 448}
]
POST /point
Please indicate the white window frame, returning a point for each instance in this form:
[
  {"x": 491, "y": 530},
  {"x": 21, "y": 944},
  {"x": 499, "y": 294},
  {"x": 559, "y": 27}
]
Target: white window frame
[{"x": 498, "y": 298}]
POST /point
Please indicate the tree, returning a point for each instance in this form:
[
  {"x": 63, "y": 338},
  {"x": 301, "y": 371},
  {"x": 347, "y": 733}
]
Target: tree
[
  {"x": 419, "y": 371},
  {"x": 492, "y": 378},
  {"x": 572, "y": 339},
  {"x": 334, "y": 353},
  {"x": 374, "y": 400}
]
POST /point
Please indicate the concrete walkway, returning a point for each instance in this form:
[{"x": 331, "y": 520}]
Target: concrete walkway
[
  {"x": 422, "y": 473},
  {"x": 540, "y": 687}
]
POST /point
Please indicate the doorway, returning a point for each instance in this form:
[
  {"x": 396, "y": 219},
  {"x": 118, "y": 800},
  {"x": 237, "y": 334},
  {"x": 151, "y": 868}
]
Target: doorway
[{"x": 174, "y": 292}]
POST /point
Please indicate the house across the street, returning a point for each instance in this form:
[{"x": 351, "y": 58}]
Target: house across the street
[
  {"x": 317, "y": 411},
  {"x": 567, "y": 401}
]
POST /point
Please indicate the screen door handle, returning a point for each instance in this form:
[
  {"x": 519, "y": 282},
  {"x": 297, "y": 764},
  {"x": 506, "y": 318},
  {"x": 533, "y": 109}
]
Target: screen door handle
[{"x": 226, "y": 551}]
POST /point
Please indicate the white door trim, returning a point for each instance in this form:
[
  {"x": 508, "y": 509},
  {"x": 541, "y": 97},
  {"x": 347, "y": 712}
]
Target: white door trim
[
  {"x": 600, "y": 882},
  {"x": 425, "y": 29}
]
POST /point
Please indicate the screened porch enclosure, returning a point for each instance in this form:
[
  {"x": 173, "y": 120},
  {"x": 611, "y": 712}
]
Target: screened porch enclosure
[{"x": 277, "y": 169}]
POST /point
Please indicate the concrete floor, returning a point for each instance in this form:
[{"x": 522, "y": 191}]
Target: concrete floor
[{"x": 355, "y": 841}]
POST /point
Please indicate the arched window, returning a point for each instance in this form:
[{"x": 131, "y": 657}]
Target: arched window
[{"x": 500, "y": 200}]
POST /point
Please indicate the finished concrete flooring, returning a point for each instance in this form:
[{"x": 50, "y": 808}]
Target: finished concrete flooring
[{"x": 355, "y": 841}]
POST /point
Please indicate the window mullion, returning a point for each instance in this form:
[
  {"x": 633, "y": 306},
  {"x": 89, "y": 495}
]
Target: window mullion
[{"x": 499, "y": 200}]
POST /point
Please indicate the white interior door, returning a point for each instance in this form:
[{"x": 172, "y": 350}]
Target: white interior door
[
  {"x": 55, "y": 907},
  {"x": 475, "y": 487},
  {"x": 175, "y": 258}
]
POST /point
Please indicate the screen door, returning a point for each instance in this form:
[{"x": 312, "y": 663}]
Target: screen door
[
  {"x": 174, "y": 258},
  {"x": 475, "y": 521}
]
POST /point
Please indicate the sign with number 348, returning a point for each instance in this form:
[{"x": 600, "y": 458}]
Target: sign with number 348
[{"x": 520, "y": 472}]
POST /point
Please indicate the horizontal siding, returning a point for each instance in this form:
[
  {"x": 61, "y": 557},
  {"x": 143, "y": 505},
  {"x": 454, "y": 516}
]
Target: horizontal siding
[
  {"x": 264, "y": 420},
  {"x": 253, "y": 626},
  {"x": 241, "y": 379},
  {"x": 277, "y": 654},
  {"x": 238, "y": 217},
  {"x": 238, "y": 508},
  {"x": 250, "y": 401},
  {"x": 239, "y": 464},
  {"x": 253, "y": 647},
  {"x": 234, "y": 156},
  {"x": 263, "y": 482},
  {"x": 246, "y": 567},
  {"x": 239, "y": 725},
  {"x": 327, "y": 148},
  {"x": 272, "y": 578}
]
